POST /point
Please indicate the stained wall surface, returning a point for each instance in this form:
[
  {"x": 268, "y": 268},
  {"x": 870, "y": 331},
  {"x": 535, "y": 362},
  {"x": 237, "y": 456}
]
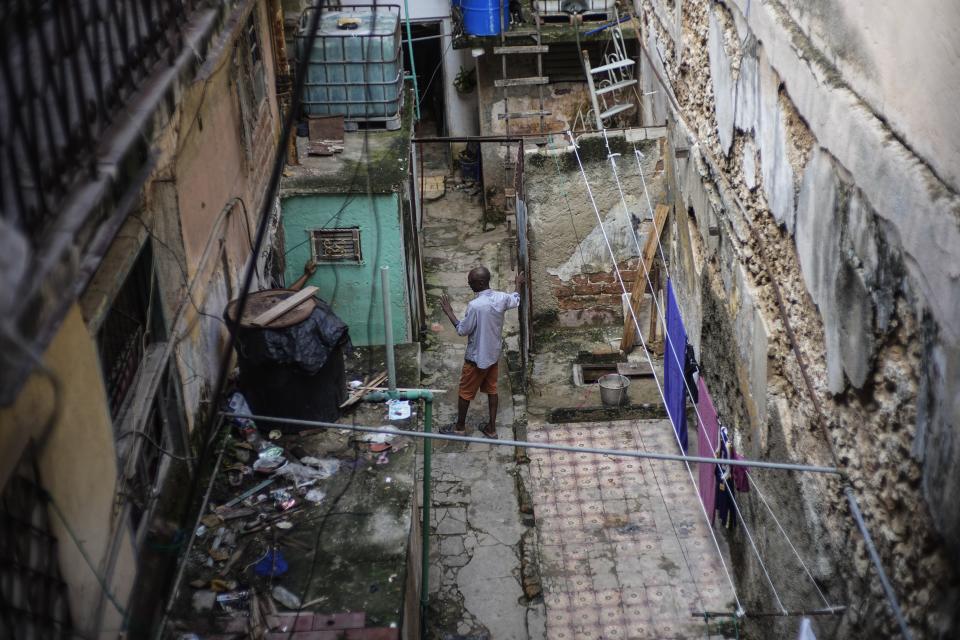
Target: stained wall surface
[
  {"x": 353, "y": 289},
  {"x": 816, "y": 249}
]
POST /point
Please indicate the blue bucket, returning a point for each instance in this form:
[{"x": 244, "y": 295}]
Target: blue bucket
[{"x": 480, "y": 16}]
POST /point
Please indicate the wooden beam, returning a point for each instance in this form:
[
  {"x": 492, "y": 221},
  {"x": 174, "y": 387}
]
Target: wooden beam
[
  {"x": 288, "y": 304},
  {"x": 640, "y": 282}
]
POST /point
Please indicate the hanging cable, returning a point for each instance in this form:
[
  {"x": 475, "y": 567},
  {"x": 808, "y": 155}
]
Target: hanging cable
[
  {"x": 669, "y": 341},
  {"x": 616, "y": 270}
]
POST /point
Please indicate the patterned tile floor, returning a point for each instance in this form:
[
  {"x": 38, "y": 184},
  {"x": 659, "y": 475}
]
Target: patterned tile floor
[{"x": 615, "y": 564}]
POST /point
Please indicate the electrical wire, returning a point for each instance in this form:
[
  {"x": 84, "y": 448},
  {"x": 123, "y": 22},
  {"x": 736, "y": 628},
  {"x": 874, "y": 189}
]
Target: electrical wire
[
  {"x": 105, "y": 588},
  {"x": 155, "y": 444}
]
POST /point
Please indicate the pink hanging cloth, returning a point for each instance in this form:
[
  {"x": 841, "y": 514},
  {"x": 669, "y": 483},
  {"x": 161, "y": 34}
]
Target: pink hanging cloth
[
  {"x": 707, "y": 440},
  {"x": 741, "y": 481}
]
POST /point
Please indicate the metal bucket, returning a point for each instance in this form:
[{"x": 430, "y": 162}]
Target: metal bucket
[{"x": 613, "y": 389}]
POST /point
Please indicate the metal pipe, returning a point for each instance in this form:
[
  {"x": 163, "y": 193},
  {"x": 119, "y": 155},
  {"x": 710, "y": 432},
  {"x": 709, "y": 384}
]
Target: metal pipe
[
  {"x": 186, "y": 554},
  {"x": 875, "y": 557},
  {"x": 782, "y": 466},
  {"x": 425, "y": 527},
  {"x": 413, "y": 64},
  {"x": 828, "y": 611},
  {"x": 388, "y": 327}
]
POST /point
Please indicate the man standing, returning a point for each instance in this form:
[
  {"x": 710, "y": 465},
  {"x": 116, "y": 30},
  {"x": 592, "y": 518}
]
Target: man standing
[{"x": 483, "y": 324}]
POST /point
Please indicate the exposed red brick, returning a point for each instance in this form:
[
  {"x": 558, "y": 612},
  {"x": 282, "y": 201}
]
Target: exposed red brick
[
  {"x": 601, "y": 277},
  {"x": 587, "y": 289},
  {"x": 615, "y": 288}
]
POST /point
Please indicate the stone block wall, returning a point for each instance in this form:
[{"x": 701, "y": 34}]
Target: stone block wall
[{"x": 815, "y": 251}]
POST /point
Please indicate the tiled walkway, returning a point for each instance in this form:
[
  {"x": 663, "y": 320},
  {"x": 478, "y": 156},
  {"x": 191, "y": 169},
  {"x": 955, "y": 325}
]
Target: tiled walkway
[{"x": 613, "y": 564}]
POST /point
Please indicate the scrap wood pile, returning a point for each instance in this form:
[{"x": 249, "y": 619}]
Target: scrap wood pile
[{"x": 269, "y": 487}]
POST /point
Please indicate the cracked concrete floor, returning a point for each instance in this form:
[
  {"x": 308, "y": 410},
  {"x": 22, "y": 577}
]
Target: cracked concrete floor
[{"x": 475, "y": 581}]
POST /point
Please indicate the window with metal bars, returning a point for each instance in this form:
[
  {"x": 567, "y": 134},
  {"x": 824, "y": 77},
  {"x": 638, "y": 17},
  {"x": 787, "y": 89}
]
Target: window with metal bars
[
  {"x": 336, "y": 245},
  {"x": 134, "y": 321},
  {"x": 161, "y": 430},
  {"x": 33, "y": 594}
]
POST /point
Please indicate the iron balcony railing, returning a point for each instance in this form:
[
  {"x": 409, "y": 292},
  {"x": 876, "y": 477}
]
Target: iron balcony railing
[{"x": 67, "y": 68}]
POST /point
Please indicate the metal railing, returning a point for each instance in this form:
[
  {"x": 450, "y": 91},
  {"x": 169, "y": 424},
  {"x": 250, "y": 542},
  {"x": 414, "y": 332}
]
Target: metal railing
[{"x": 66, "y": 70}]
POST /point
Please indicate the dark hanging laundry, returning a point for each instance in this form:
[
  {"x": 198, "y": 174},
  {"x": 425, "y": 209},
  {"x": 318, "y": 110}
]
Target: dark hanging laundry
[
  {"x": 675, "y": 394},
  {"x": 726, "y": 488},
  {"x": 691, "y": 372},
  {"x": 741, "y": 481}
]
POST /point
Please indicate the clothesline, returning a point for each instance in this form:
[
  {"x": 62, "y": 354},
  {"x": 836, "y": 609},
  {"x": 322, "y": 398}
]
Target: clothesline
[
  {"x": 677, "y": 414},
  {"x": 689, "y": 390},
  {"x": 646, "y": 351}
]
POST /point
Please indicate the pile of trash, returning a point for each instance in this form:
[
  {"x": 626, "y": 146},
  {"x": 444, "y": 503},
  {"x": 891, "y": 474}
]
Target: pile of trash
[{"x": 241, "y": 537}]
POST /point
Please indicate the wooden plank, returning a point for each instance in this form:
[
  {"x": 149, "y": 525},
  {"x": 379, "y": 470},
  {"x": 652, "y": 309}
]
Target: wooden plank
[
  {"x": 289, "y": 304},
  {"x": 522, "y": 114},
  {"x": 528, "y": 48},
  {"x": 357, "y": 394},
  {"x": 639, "y": 283},
  {"x": 521, "y": 82}
]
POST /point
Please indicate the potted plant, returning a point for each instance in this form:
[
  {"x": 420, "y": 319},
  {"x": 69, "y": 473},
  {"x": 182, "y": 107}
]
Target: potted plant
[{"x": 466, "y": 81}]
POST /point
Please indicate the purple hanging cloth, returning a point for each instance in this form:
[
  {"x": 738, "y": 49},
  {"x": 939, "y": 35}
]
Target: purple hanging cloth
[
  {"x": 707, "y": 440},
  {"x": 740, "y": 480},
  {"x": 674, "y": 349}
]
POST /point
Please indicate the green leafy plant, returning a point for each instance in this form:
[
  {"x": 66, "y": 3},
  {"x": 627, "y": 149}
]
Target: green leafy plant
[{"x": 466, "y": 80}]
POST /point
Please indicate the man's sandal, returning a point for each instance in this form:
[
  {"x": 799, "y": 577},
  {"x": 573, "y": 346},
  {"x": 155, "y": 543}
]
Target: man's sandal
[
  {"x": 489, "y": 436},
  {"x": 449, "y": 430}
]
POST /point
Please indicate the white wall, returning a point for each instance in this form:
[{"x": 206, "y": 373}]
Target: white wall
[
  {"x": 901, "y": 58},
  {"x": 463, "y": 114}
]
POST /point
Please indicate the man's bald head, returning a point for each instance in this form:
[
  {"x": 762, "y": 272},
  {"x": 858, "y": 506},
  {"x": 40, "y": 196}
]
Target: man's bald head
[{"x": 479, "y": 278}]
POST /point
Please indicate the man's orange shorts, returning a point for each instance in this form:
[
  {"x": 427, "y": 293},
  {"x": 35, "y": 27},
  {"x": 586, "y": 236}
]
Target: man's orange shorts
[{"x": 472, "y": 378}]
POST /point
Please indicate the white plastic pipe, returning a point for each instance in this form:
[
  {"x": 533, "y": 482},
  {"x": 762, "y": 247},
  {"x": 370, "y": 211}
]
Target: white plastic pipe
[{"x": 388, "y": 328}]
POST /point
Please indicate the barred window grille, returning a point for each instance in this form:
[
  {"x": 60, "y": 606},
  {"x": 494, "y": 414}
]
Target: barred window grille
[
  {"x": 134, "y": 321},
  {"x": 336, "y": 245},
  {"x": 33, "y": 594}
]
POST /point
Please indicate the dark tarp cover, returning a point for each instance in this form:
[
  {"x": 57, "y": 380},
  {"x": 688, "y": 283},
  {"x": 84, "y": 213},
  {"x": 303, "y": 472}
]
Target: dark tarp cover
[
  {"x": 296, "y": 371},
  {"x": 307, "y": 344}
]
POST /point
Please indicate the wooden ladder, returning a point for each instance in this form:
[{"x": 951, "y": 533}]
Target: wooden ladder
[{"x": 505, "y": 51}]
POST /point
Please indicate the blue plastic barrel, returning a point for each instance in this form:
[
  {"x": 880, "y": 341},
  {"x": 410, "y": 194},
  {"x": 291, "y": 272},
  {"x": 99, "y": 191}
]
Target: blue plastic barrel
[{"x": 480, "y": 16}]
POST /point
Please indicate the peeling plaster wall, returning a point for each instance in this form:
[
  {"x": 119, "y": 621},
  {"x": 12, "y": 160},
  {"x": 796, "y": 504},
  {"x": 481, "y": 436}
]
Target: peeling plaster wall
[
  {"x": 812, "y": 198},
  {"x": 572, "y": 276},
  {"x": 204, "y": 165},
  {"x": 562, "y": 99},
  {"x": 77, "y": 465}
]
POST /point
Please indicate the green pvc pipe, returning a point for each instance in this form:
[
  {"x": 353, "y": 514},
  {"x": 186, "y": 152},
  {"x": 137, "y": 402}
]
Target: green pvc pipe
[
  {"x": 427, "y": 397},
  {"x": 413, "y": 64},
  {"x": 425, "y": 529}
]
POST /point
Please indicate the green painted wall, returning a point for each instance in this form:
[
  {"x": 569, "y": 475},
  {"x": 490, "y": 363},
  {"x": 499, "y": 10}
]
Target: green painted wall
[{"x": 353, "y": 289}]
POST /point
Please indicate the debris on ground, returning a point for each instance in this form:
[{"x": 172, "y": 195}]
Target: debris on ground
[{"x": 258, "y": 530}]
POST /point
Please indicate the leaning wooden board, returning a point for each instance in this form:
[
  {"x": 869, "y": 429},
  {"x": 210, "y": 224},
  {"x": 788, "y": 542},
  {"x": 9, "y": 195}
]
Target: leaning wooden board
[
  {"x": 640, "y": 282},
  {"x": 283, "y": 307}
]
